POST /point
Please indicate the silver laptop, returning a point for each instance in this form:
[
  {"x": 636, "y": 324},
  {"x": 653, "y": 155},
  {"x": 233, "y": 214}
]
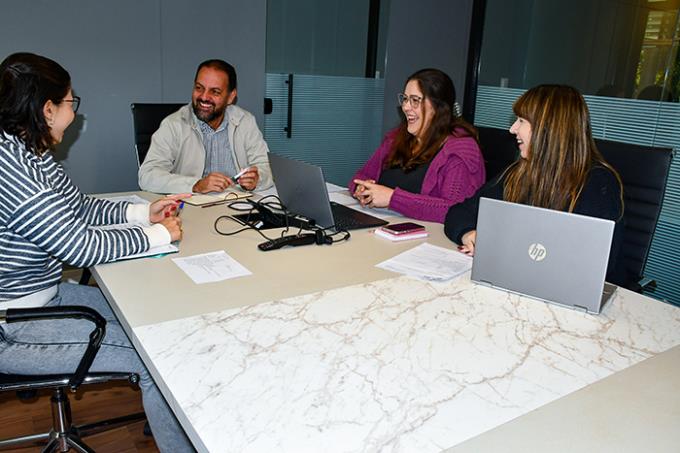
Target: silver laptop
[
  {"x": 302, "y": 190},
  {"x": 545, "y": 254}
]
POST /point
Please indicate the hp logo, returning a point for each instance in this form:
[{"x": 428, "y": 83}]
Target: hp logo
[{"x": 537, "y": 252}]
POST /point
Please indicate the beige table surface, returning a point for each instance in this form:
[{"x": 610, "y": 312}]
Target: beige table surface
[
  {"x": 634, "y": 410},
  {"x": 152, "y": 290}
]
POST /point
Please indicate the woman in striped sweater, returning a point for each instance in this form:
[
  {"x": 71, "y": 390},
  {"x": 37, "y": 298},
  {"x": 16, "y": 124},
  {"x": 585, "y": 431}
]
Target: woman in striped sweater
[{"x": 45, "y": 221}]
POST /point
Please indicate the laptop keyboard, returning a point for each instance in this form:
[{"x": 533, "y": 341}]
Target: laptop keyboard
[{"x": 350, "y": 219}]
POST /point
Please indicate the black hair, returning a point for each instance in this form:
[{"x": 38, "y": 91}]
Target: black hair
[
  {"x": 223, "y": 66},
  {"x": 27, "y": 82}
]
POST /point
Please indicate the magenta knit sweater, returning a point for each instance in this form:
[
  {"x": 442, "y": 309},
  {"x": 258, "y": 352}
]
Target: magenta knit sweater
[{"x": 456, "y": 172}]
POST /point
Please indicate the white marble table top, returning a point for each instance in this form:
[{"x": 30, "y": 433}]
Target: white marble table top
[{"x": 394, "y": 365}]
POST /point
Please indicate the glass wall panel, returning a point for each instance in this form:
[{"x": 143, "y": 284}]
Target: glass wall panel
[{"x": 324, "y": 109}]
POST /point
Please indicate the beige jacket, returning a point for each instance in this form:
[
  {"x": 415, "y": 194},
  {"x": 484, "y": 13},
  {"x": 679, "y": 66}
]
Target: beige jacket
[{"x": 176, "y": 157}]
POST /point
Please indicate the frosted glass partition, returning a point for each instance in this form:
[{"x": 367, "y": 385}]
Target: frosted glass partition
[
  {"x": 336, "y": 121},
  {"x": 624, "y": 120}
]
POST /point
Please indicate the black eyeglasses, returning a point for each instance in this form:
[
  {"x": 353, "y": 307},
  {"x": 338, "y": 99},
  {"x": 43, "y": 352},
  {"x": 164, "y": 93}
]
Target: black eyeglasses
[{"x": 75, "y": 103}]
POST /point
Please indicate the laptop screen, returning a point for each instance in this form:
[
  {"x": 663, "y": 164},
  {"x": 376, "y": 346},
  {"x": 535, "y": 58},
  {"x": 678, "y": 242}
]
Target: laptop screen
[{"x": 551, "y": 255}]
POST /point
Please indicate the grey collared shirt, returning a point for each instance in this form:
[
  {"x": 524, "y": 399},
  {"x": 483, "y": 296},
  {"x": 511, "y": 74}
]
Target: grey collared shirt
[{"x": 218, "y": 155}]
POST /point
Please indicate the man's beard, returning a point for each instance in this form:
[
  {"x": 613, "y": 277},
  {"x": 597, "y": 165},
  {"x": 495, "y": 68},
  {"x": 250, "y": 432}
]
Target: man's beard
[{"x": 207, "y": 117}]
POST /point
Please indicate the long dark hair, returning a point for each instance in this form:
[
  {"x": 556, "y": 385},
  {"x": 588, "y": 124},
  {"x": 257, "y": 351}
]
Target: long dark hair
[
  {"x": 437, "y": 87},
  {"x": 561, "y": 152},
  {"x": 27, "y": 82}
]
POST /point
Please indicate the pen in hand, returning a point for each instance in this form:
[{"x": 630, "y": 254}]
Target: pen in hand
[{"x": 239, "y": 174}]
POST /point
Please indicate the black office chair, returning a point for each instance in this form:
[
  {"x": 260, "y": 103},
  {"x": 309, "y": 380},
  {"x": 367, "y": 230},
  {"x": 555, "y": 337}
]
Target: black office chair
[
  {"x": 145, "y": 119},
  {"x": 644, "y": 172},
  {"x": 63, "y": 434},
  {"x": 499, "y": 148}
]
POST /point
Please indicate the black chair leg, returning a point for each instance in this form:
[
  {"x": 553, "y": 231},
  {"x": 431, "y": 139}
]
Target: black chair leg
[
  {"x": 85, "y": 276},
  {"x": 63, "y": 434},
  {"x": 112, "y": 423},
  {"x": 147, "y": 429},
  {"x": 78, "y": 445}
]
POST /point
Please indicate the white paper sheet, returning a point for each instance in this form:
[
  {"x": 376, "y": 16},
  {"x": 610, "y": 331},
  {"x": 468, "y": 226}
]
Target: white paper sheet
[
  {"x": 211, "y": 267},
  {"x": 134, "y": 199},
  {"x": 429, "y": 262},
  {"x": 343, "y": 197}
]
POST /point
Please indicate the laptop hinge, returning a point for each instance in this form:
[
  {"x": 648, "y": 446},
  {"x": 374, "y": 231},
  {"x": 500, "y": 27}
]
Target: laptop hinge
[{"x": 580, "y": 308}]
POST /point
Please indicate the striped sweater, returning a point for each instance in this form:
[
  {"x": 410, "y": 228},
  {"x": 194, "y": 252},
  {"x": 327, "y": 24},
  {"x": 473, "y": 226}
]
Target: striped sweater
[{"x": 45, "y": 221}]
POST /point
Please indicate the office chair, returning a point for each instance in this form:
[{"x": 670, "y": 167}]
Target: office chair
[
  {"x": 644, "y": 172},
  {"x": 499, "y": 148},
  {"x": 64, "y": 435},
  {"x": 145, "y": 119}
]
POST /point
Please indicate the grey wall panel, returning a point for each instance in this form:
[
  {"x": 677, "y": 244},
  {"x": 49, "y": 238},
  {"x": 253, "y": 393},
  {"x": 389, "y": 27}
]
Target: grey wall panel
[
  {"x": 428, "y": 33},
  {"x": 112, "y": 53},
  {"x": 132, "y": 51},
  {"x": 231, "y": 30}
]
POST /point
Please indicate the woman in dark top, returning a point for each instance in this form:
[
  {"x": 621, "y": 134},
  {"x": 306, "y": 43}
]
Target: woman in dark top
[
  {"x": 559, "y": 168},
  {"x": 428, "y": 163}
]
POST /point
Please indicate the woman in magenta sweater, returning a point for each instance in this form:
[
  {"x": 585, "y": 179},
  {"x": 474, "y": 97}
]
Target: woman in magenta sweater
[{"x": 430, "y": 162}]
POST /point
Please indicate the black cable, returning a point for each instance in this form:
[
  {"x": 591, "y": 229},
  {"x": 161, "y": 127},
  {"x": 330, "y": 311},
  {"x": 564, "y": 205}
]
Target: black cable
[{"x": 251, "y": 207}]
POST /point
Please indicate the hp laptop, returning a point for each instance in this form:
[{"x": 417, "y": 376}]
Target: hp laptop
[
  {"x": 550, "y": 255},
  {"x": 302, "y": 190}
]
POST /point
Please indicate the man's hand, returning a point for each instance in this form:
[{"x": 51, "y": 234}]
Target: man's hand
[
  {"x": 213, "y": 182},
  {"x": 250, "y": 178}
]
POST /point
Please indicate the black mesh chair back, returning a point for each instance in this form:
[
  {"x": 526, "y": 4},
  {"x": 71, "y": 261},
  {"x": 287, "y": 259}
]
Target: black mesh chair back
[
  {"x": 146, "y": 118},
  {"x": 644, "y": 172},
  {"x": 499, "y": 148}
]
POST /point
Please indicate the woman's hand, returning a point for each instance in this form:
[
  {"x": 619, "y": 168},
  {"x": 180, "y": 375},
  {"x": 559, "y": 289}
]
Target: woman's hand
[
  {"x": 371, "y": 194},
  {"x": 468, "y": 240},
  {"x": 174, "y": 226},
  {"x": 165, "y": 207}
]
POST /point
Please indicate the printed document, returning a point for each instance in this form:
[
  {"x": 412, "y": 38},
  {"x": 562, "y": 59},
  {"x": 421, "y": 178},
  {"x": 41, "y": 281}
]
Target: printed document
[
  {"x": 211, "y": 267},
  {"x": 429, "y": 262}
]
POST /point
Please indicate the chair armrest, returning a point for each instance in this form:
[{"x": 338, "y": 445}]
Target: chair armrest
[
  {"x": 647, "y": 284},
  {"x": 642, "y": 284},
  {"x": 69, "y": 312}
]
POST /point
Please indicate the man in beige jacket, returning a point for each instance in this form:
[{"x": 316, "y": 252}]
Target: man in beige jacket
[{"x": 208, "y": 145}]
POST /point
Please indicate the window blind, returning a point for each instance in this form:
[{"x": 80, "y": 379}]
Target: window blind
[{"x": 336, "y": 121}]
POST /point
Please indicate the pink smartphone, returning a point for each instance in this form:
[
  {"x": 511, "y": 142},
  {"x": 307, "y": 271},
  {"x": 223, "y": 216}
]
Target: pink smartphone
[{"x": 403, "y": 228}]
